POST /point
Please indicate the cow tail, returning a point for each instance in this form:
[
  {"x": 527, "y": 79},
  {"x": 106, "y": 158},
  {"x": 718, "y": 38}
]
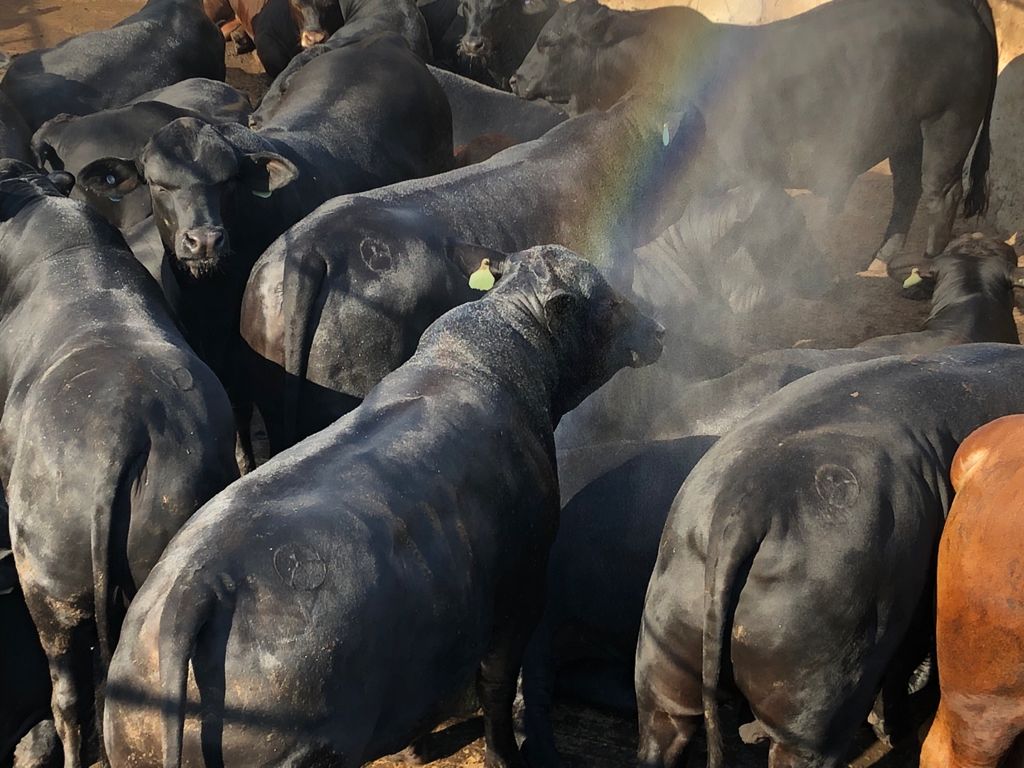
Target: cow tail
[
  {"x": 302, "y": 284},
  {"x": 732, "y": 544},
  {"x": 186, "y": 608},
  {"x": 118, "y": 515},
  {"x": 976, "y": 200}
]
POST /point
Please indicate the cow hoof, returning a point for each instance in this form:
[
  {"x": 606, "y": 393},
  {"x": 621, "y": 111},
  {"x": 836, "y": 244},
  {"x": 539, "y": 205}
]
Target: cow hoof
[
  {"x": 753, "y": 733},
  {"x": 877, "y": 268}
]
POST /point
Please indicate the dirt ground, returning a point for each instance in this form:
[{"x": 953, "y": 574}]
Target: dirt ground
[{"x": 856, "y": 308}]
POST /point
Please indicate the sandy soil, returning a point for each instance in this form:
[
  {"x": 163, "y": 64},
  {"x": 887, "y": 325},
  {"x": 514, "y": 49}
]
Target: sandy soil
[{"x": 856, "y": 308}]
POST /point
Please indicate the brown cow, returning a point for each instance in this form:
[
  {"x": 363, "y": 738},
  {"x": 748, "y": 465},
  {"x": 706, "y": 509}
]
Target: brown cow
[{"x": 980, "y": 631}]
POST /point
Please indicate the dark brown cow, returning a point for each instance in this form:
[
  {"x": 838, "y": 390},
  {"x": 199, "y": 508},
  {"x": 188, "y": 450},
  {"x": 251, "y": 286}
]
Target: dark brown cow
[{"x": 980, "y": 628}]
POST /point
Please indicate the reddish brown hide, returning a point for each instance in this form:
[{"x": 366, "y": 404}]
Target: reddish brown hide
[
  {"x": 230, "y": 14},
  {"x": 980, "y": 628}
]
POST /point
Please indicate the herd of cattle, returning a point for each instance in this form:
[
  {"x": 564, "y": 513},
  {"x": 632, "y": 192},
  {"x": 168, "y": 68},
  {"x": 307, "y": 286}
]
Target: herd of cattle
[{"x": 406, "y": 275}]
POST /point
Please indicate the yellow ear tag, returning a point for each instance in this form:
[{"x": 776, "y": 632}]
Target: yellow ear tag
[
  {"x": 914, "y": 279},
  {"x": 482, "y": 279}
]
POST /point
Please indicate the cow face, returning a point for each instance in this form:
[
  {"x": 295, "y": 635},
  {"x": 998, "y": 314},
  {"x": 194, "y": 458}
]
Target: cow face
[
  {"x": 487, "y": 21},
  {"x": 195, "y": 176},
  {"x": 316, "y": 20},
  {"x": 595, "y": 331},
  {"x": 583, "y": 58}
]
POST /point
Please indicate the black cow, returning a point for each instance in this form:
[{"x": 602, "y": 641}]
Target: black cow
[
  {"x": 608, "y": 534},
  {"x": 70, "y": 143},
  {"x": 342, "y": 298},
  {"x": 445, "y": 27},
  {"x": 112, "y": 432},
  {"x": 387, "y": 563},
  {"x": 823, "y": 508},
  {"x": 23, "y": 671},
  {"x": 481, "y": 111},
  {"x": 166, "y": 41},
  {"x": 201, "y": 94},
  {"x": 363, "y": 19},
  {"x": 476, "y": 109},
  {"x": 358, "y": 117},
  {"x": 500, "y": 33},
  {"x": 811, "y": 101},
  {"x": 14, "y": 133},
  {"x": 972, "y": 301}
]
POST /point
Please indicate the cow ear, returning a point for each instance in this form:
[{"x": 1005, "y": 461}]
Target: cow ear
[
  {"x": 607, "y": 27},
  {"x": 533, "y": 7},
  {"x": 470, "y": 257},
  {"x": 264, "y": 172},
  {"x": 12, "y": 169},
  {"x": 63, "y": 181},
  {"x": 559, "y": 308},
  {"x": 111, "y": 177}
]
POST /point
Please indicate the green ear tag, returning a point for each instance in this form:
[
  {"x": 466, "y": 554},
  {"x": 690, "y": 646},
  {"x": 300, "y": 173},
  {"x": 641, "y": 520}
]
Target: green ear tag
[
  {"x": 482, "y": 279},
  {"x": 914, "y": 279},
  {"x": 263, "y": 195},
  {"x": 665, "y": 138}
]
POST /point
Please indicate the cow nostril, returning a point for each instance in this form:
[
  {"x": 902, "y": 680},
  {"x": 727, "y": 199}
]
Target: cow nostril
[
  {"x": 472, "y": 44},
  {"x": 217, "y": 240},
  {"x": 512, "y": 82},
  {"x": 191, "y": 242}
]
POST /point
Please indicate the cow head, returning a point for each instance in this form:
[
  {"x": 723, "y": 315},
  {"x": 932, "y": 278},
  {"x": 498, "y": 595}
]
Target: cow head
[
  {"x": 586, "y": 57},
  {"x": 194, "y": 173},
  {"x": 594, "y": 331},
  {"x": 316, "y": 20},
  {"x": 487, "y": 21}
]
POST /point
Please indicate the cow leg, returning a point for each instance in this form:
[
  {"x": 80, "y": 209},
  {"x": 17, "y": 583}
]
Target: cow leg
[
  {"x": 665, "y": 739},
  {"x": 947, "y": 142},
  {"x": 667, "y": 675},
  {"x": 539, "y": 748},
  {"x": 519, "y": 607},
  {"x": 65, "y": 701},
  {"x": 979, "y": 741},
  {"x": 668, "y": 696},
  {"x": 892, "y": 716},
  {"x": 906, "y": 194}
]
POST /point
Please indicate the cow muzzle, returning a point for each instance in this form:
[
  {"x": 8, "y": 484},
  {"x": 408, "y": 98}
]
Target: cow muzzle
[
  {"x": 647, "y": 342},
  {"x": 474, "y": 46},
  {"x": 521, "y": 87},
  {"x": 202, "y": 249},
  {"x": 309, "y": 38}
]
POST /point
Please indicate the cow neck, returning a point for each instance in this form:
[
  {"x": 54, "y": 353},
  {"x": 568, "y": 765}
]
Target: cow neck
[{"x": 513, "y": 357}]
